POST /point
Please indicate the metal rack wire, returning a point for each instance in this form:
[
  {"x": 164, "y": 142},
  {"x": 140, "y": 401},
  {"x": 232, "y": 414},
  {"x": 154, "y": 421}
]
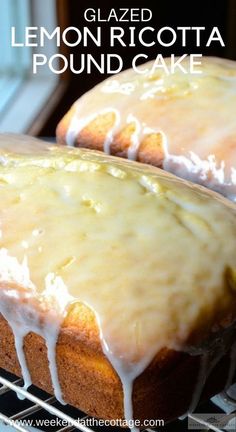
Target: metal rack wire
[{"x": 48, "y": 405}]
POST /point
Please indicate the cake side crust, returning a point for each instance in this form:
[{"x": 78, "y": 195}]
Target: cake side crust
[{"x": 89, "y": 382}]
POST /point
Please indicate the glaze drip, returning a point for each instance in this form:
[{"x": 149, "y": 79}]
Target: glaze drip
[
  {"x": 22, "y": 307},
  {"x": 232, "y": 367}
]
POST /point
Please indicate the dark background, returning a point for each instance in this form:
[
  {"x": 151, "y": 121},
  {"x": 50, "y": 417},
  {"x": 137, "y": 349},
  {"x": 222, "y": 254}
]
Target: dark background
[{"x": 206, "y": 13}]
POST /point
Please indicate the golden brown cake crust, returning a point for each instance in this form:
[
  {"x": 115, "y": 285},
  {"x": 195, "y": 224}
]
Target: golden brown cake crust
[
  {"x": 93, "y": 135},
  {"x": 88, "y": 381}
]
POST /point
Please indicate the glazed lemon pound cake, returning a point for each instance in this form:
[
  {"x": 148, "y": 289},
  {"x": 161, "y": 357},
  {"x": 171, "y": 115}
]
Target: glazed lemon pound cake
[
  {"x": 117, "y": 282},
  {"x": 182, "y": 122}
]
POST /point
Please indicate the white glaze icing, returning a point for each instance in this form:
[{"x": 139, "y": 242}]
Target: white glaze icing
[
  {"x": 200, "y": 382},
  {"x": 195, "y": 115},
  {"x": 26, "y": 318},
  {"x": 107, "y": 212},
  {"x": 232, "y": 366},
  {"x": 208, "y": 361},
  {"x": 212, "y": 353},
  {"x": 135, "y": 138},
  {"x": 127, "y": 376}
]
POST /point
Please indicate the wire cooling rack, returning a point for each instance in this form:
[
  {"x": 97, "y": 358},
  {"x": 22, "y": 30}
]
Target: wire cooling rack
[{"x": 38, "y": 404}]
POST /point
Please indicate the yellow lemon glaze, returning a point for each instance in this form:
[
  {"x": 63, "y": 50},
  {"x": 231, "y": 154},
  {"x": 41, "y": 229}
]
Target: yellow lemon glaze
[{"x": 148, "y": 252}]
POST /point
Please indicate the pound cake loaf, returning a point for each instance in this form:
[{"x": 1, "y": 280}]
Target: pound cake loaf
[
  {"x": 182, "y": 122},
  {"x": 117, "y": 282}
]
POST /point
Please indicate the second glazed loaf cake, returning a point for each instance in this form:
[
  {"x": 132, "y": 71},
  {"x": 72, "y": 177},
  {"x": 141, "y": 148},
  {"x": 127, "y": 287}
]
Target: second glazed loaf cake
[{"x": 182, "y": 122}]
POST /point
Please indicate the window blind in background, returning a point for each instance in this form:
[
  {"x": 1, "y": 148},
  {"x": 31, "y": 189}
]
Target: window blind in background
[{"x": 15, "y": 63}]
